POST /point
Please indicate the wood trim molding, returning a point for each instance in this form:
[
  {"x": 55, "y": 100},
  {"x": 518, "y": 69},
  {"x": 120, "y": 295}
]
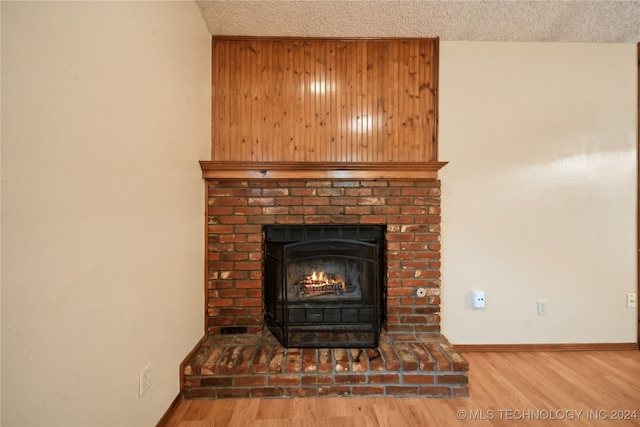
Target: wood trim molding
[
  {"x": 312, "y": 170},
  {"x": 476, "y": 348},
  {"x": 164, "y": 421}
]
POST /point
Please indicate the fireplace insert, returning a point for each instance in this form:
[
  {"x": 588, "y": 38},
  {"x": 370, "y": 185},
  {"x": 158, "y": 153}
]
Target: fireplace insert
[{"x": 323, "y": 285}]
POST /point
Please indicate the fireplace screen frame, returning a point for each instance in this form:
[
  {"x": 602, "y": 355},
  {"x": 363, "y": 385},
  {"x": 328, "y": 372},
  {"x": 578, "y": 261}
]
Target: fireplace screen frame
[{"x": 333, "y": 318}]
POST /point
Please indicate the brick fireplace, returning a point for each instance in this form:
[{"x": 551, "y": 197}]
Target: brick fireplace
[
  {"x": 239, "y": 357},
  {"x": 237, "y": 210}
]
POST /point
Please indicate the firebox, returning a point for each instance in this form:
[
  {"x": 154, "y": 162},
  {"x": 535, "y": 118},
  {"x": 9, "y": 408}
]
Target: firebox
[{"x": 324, "y": 285}]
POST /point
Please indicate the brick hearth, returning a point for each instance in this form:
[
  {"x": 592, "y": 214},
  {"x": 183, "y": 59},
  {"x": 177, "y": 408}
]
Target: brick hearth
[{"x": 256, "y": 365}]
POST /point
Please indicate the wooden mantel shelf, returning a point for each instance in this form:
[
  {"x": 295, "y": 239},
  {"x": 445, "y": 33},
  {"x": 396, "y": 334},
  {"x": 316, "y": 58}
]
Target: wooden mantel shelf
[{"x": 313, "y": 170}]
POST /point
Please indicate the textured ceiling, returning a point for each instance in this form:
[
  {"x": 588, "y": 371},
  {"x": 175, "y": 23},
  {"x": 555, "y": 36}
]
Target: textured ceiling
[{"x": 607, "y": 21}]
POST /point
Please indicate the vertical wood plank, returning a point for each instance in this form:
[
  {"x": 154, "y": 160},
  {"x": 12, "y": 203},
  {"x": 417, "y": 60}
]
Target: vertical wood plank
[
  {"x": 316, "y": 140},
  {"x": 434, "y": 59},
  {"x": 323, "y": 94},
  {"x": 324, "y": 100},
  {"x": 267, "y": 102},
  {"x": 403, "y": 111},
  {"x": 394, "y": 113},
  {"x": 330, "y": 101},
  {"x": 307, "y": 102},
  {"x": 383, "y": 59},
  {"x": 217, "y": 97},
  {"x": 253, "y": 52},
  {"x": 414, "y": 102},
  {"x": 244, "y": 127},
  {"x": 357, "y": 104},
  {"x": 297, "y": 64},
  {"x": 348, "y": 104},
  {"x": 235, "y": 92},
  {"x": 288, "y": 99},
  {"x": 341, "y": 83}
]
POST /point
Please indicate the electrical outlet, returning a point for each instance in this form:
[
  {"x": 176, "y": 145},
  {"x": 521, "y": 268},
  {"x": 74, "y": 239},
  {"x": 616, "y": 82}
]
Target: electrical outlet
[
  {"x": 632, "y": 300},
  {"x": 542, "y": 307},
  {"x": 145, "y": 379},
  {"x": 478, "y": 299}
]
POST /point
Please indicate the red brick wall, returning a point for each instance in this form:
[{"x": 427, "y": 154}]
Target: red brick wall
[{"x": 237, "y": 210}]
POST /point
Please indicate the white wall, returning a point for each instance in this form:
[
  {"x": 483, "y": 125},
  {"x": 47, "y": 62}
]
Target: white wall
[
  {"x": 105, "y": 112},
  {"x": 539, "y": 198}
]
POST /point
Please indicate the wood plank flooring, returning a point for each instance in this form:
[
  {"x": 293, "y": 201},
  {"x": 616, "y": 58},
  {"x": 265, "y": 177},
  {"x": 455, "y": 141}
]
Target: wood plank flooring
[{"x": 532, "y": 389}]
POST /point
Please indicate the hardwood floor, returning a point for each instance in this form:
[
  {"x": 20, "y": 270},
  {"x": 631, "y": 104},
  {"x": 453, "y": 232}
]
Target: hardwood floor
[{"x": 533, "y": 389}]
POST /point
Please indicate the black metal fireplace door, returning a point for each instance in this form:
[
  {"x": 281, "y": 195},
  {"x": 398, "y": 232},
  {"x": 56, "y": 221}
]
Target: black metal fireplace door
[{"x": 324, "y": 285}]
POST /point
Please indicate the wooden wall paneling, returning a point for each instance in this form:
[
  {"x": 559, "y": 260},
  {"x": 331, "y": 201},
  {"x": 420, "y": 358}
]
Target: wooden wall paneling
[
  {"x": 364, "y": 108},
  {"x": 265, "y": 101},
  {"x": 242, "y": 124},
  {"x": 353, "y": 117},
  {"x": 310, "y": 130},
  {"x": 372, "y": 104},
  {"x": 245, "y": 124},
  {"x": 357, "y": 114},
  {"x": 324, "y": 100},
  {"x": 384, "y": 90},
  {"x": 394, "y": 81},
  {"x": 315, "y": 135},
  {"x": 317, "y": 92},
  {"x": 373, "y": 111},
  {"x": 329, "y": 101},
  {"x": 218, "y": 97},
  {"x": 413, "y": 118},
  {"x": 369, "y": 102},
  {"x": 285, "y": 105},
  {"x": 304, "y": 121},
  {"x": 235, "y": 109},
  {"x": 399, "y": 112},
  {"x": 342, "y": 66},
  {"x": 347, "y": 101},
  {"x": 403, "y": 107},
  {"x": 313, "y": 132},
  {"x": 353, "y": 129},
  {"x": 297, "y": 90},
  {"x": 257, "y": 94},
  {"x": 420, "y": 113},
  {"x": 235, "y": 112},
  {"x": 253, "y": 97},
  {"x": 374, "y": 86},
  {"x": 424, "y": 145},
  {"x": 433, "y": 89},
  {"x": 279, "y": 86}
]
